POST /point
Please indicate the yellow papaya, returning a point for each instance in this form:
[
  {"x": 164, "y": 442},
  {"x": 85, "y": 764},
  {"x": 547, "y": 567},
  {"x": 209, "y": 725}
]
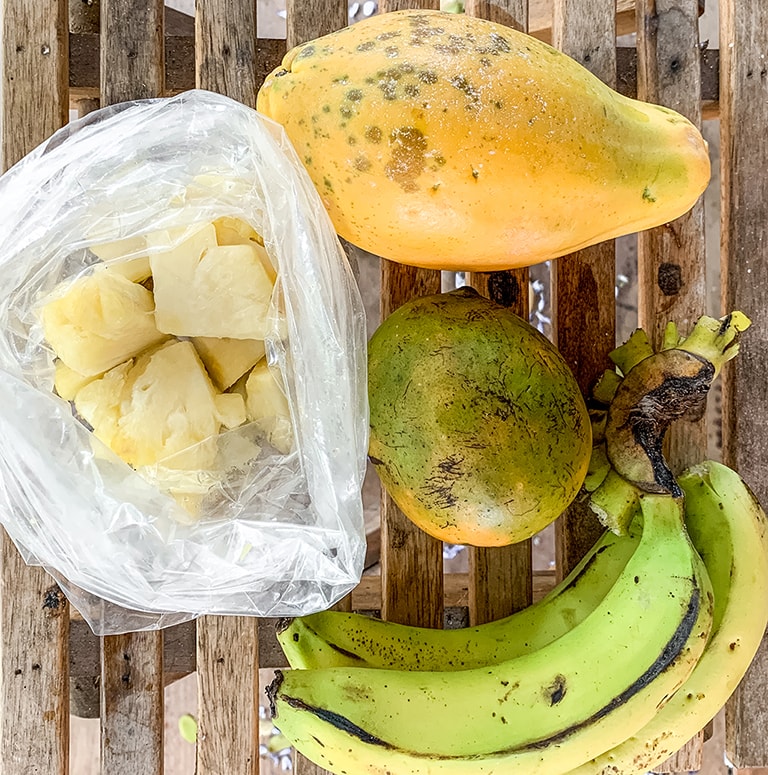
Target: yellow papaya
[{"x": 446, "y": 141}]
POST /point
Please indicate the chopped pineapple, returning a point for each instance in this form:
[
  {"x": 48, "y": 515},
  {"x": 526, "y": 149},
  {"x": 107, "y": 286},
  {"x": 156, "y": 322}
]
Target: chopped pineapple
[
  {"x": 126, "y": 257},
  {"x": 159, "y": 406},
  {"x": 203, "y": 289},
  {"x": 267, "y": 406},
  {"x": 234, "y": 231},
  {"x": 228, "y": 359},
  {"x": 100, "y": 321},
  {"x": 68, "y": 382},
  {"x": 231, "y": 409}
]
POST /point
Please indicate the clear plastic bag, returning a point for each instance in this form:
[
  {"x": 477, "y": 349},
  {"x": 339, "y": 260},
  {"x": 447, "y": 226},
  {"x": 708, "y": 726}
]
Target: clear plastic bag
[{"x": 274, "y": 533}]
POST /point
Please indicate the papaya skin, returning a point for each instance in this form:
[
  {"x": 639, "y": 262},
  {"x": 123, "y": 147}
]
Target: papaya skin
[
  {"x": 478, "y": 430},
  {"x": 446, "y": 141}
]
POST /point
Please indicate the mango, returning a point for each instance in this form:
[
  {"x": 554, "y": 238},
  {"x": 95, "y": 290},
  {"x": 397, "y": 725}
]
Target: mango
[
  {"x": 446, "y": 141},
  {"x": 478, "y": 430}
]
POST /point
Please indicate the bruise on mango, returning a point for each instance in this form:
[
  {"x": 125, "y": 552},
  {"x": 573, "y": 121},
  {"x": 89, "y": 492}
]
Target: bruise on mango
[{"x": 540, "y": 157}]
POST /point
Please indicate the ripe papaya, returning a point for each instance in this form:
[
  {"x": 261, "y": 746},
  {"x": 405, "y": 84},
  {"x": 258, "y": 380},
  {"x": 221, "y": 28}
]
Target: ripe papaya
[
  {"x": 447, "y": 141},
  {"x": 478, "y": 429}
]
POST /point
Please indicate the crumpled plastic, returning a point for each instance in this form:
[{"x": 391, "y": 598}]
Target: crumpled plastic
[{"x": 278, "y": 534}]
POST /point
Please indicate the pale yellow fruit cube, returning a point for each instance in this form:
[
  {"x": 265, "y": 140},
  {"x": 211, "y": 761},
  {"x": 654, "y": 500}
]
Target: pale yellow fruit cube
[
  {"x": 233, "y": 231},
  {"x": 155, "y": 408},
  {"x": 231, "y": 409},
  {"x": 67, "y": 382},
  {"x": 228, "y": 359},
  {"x": 126, "y": 257},
  {"x": 99, "y": 321},
  {"x": 267, "y": 406},
  {"x": 203, "y": 289}
]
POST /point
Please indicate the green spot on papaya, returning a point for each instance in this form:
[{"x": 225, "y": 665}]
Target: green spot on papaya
[{"x": 647, "y": 195}]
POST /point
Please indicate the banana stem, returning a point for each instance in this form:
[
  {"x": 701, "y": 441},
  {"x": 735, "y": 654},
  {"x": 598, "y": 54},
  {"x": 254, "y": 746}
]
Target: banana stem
[{"x": 659, "y": 389}]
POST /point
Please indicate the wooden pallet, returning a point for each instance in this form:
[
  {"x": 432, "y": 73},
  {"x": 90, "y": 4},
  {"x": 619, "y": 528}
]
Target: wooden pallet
[{"x": 58, "y": 54}]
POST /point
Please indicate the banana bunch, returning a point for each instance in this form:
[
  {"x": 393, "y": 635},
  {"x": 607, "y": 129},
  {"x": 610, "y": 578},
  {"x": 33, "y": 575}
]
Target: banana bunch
[{"x": 612, "y": 671}]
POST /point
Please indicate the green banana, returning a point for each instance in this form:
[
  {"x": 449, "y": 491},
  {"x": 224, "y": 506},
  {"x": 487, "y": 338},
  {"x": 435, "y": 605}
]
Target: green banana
[
  {"x": 542, "y": 712},
  {"x": 730, "y": 531},
  {"x": 338, "y": 639}
]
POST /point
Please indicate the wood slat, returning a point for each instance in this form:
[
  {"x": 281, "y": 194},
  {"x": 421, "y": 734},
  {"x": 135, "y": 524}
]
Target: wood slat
[
  {"x": 34, "y": 614},
  {"x": 132, "y": 66},
  {"x": 500, "y": 577},
  {"x": 411, "y": 560},
  {"x": 583, "y": 283},
  {"x": 306, "y": 20},
  {"x": 672, "y": 279},
  {"x": 225, "y": 49},
  {"x": 744, "y": 283},
  {"x": 131, "y": 701},
  {"x": 227, "y": 647},
  {"x": 228, "y": 689},
  {"x": 132, "y": 62}
]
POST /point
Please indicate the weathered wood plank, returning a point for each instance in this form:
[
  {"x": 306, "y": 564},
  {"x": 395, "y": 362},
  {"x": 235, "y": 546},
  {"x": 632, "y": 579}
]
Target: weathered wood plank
[
  {"x": 512, "y": 13},
  {"x": 131, "y": 701},
  {"x": 744, "y": 283},
  {"x": 671, "y": 261},
  {"x": 309, "y": 19},
  {"x": 34, "y": 614},
  {"x": 228, "y": 709},
  {"x": 500, "y": 577},
  {"x": 411, "y": 561},
  {"x": 131, "y": 67},
  {"x": 583, "y": 283},
  {"x": 227, "y": 647},
  {"x": 306, "y": 20},
  {"x": 225, "y": 49},
  {"x": 132, "y": 51}
]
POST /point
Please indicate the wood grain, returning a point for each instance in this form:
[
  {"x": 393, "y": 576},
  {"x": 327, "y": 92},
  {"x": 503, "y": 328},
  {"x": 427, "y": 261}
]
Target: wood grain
[
  {"x": 744, "y": 283},
  {"x": 228, "y": 710},
  {"x": 34, "y": 614},
  {"x": 500, "y": 577},
  {"x": 309, "y": 19},
  {"x": 132, "y": 50},
  {"x": 583, "y": 283},
  {"x": 672, "y": 279},
  {"x": 131, "y": 67},
  {"x": 227, "y": 647},
  {"x": 512, "y": 13},
  {"x": 132, "y": 704},
  {"x": 411, "y": 561},
  {"x": 225, "y": 49}
]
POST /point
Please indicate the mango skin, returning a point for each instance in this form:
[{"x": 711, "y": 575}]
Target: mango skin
[
  {"x": 479, "y": 432},
  {"x": 445, "y": 141}
]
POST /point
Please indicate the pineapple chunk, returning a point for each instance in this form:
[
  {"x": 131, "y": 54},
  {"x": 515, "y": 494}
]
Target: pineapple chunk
[
  {"x": 203, "y": 289},
  {"x": 267, "y": 406},
  {"x": 68, "y": 382},
  {"x": 228, "y": 359},
  {"x": 233, "y": 231},
  {"x": 100, "y": 321},
  {"x": 159, "y": 406},
  {"x": 136, "y": 269},
  {"x": 231, "y": 409}
]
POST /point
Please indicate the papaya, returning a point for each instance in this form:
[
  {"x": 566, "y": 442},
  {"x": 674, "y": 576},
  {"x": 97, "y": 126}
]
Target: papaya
[
  {"x": 446, "y": 141},
  {"x": 478, "y": 429}
]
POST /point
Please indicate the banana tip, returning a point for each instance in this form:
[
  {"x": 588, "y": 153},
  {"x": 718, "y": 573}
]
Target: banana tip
[{"x": 272, "y": 690}]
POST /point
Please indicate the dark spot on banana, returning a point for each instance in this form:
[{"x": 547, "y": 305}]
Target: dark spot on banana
[{"x": 556, "y": 690}]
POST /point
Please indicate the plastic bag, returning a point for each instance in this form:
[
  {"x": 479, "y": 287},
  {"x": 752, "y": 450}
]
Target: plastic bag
[{"x": 275, "y": 533}]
